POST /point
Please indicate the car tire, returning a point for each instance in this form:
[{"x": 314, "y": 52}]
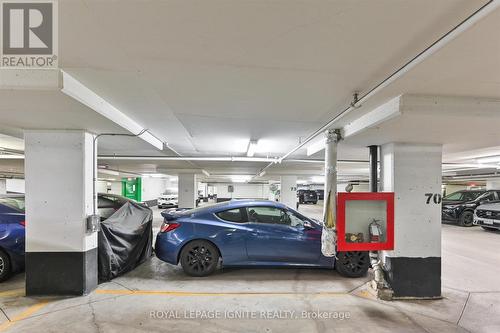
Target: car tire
[
  {"x": 352, "y": 264},
  {"x": 466, "y": 219},
  {"x": 199, "y": 258},
  {"x": 489, "y": 228},
  {"x": 5, "y": 266}
]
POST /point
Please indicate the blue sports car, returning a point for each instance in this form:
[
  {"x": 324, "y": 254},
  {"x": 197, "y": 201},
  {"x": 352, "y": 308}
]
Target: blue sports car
[
  {"x": 247, "y": 233},
  {"x": 12, "y": 226}
]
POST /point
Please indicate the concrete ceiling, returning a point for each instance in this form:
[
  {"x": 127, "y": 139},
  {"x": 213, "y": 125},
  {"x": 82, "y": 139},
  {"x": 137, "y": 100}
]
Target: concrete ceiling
[{"x": 208, "y": 76}]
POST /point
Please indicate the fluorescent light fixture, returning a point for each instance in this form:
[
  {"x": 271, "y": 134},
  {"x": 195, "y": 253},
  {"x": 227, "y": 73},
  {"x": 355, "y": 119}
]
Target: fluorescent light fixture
[
  {"x": 75, "y": 89},
  {"x": 108, "y": 172},
  {"x": 154, "y": 175},
  {"x": 252, "y": 159},
  {"x": 315, "y": 147},
  {"x": 240, "y": 178},
  {"x": 262, "y": 174},
  {"x": 205, "y": 172},
  {"x": 252, "y": 146},
  {"x": 106, "y": 179},
  {"x": 11, "y": 157},
  {"x": 489, "y": 159}
]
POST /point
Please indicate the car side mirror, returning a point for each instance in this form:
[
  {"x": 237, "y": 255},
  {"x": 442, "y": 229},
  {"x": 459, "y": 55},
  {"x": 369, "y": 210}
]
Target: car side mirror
[{"x": 308, "y": 225}]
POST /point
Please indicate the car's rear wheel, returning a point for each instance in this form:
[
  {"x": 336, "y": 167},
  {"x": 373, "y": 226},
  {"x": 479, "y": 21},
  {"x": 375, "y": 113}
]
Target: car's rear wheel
[
  {"x": 466, "y": 219},
  {"x": 199, "y": 258},
  {"x": 488, "y": 228},
  {"x": 5, "y": 266},
  {"x": 352, "y": 264}
]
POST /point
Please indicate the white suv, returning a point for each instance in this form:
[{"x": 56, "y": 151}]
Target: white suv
[
  {"x": 488, "y": 216},
  {"x": 168, "y": 201}
]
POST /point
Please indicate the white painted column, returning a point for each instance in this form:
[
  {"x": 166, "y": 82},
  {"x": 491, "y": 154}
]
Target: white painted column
[
  {"x": 61, "y": 256},
  {"x": 3, "y": 186},
  {"x": 188, "y": 190},
  {"x": 413, "y": 172},
  {"x": 332, "y": 138},
  {"x": 288, "y": 194},
  {"x": 493, "y": 184}
]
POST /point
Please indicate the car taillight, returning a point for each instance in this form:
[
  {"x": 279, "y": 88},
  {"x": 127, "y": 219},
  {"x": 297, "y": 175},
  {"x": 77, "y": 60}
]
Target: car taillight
[
  {"x": 166, "y": 227},
  {"x": 23, "y": 223}
]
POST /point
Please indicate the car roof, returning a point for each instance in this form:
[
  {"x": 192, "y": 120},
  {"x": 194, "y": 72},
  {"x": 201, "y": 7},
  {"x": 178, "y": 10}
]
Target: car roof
[{"x": 238, "y": 203}]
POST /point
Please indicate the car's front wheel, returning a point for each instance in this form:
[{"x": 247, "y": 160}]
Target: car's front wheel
[
  {"x": 466, "y": 219},
  {"x": 199, "y": 258},
  {"x": 5, "y": 267},
  {"x": 352, "y": 264}
]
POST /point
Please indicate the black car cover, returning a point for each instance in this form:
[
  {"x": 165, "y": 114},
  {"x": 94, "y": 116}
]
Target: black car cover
[{"x": 125, "y": 240}]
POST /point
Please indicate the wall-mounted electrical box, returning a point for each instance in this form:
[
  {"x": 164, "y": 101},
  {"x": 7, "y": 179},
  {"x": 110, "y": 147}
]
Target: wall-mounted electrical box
[{"x": 365, "y": 221}]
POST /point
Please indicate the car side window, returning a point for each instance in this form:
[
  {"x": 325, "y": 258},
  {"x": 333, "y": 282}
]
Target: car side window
[
  {"x": 295, "y": 220},
  {"x": 231, "y": 215},
  {"x": 269, "y": 215},
  {"x": 489, "y": 196},
  {"x": 104, "y": 203}
]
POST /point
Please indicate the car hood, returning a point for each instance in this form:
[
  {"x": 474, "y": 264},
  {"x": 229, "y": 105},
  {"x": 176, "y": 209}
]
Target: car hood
[
  {"x": 455, "y": 202},
  {"x": 490, "y": 206}
]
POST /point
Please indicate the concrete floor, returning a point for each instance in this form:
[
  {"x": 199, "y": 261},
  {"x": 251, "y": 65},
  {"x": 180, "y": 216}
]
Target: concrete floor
[{"x": 159, "y": 297}]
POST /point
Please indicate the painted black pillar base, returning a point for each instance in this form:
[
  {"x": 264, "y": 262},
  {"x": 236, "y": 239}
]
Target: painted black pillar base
[
  {"x": 414, "y": 277},
  {"x": 61, "y": 273}
]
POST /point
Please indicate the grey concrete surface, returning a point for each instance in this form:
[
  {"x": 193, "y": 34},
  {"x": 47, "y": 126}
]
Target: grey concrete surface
[{"x": 307, "y": 300}]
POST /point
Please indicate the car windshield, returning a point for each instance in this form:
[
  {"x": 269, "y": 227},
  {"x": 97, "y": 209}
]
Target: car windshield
[
  {"x": 463, "y": 196},
  {"x": 16, "y": 203}
]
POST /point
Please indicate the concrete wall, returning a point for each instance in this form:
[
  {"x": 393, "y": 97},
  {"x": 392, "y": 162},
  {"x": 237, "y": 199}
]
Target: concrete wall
[
  {"x": 493, "y": 184},
  {"x": 454, "y": 188},
  {"x": 15, "y": 185},
  {"x": 102, "y": 187},
  {"x": 250, "y": 191},
  {"x": 3, "y": 186},
  {"x": 153, "y": 187}
]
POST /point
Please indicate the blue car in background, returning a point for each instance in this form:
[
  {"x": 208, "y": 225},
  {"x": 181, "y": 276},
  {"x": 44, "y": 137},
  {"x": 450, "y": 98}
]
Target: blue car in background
[
  {"x": 247, "y": 233},
  {"x": 12, "y": 232}
]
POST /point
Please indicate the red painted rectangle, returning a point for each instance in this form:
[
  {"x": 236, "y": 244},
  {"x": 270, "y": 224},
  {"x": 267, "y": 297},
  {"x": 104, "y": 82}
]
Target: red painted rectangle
[{"x": 342, "y": 198}]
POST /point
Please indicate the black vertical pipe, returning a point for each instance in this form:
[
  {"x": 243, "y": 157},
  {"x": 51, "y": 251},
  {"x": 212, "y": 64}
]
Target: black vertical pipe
[{"x": 373, "y": 168}]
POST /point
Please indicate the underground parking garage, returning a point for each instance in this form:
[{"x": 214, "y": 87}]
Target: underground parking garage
[{"x": 249, "y": 166}]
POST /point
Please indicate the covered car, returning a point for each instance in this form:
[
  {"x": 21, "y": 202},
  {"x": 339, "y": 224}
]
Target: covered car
[{"x": 125, "y": 240}]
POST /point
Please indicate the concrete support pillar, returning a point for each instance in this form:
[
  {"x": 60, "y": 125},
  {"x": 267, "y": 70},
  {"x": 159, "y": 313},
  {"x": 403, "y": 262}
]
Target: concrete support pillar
[
  {"x": 188, "y": 190},
  {"x": 413, "y": 172},
  {"x": 3, "y": 186},
  {"x": 493, "y": 184},
  {"x": 332, "y": 138},
  {"x": 288, "y": 194},
  {"x": 61, "y": 256}
]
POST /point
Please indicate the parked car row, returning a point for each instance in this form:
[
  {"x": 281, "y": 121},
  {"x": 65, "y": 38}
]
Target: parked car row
[
  {"x": 473, "y": 207},
  {"x": 13, "y": 223}
]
